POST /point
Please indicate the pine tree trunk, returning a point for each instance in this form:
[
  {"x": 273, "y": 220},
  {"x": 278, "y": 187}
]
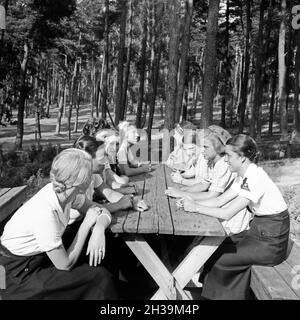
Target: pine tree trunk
[
  {"x": 174, "y": 34},
  {"x": 20, "y": 125},
  {"x": 93, "y": 88},
  {"x": 128, "y": 60},
  {"x": 184, "y": 58},
  {"x": 142, "y": 68},
  {"x": 297, "y": 74},
  {"x": 258, "y": 71},
  {"x": 106, "y": 60},
  {"x": 60, "y": 100},
  {"x": 225, "y": 65},
  {"x": 209, "y": 81},
  {"x": 244, "y": 88},
  {"x": 120, "y": 69},
  {"x": 156, "y": 56},
  {"x": 282, "y": 74},
  {"x": 72, "y": 95},
  {"x": 272, "y": 102},
  {"x": 78, "y": 96},
  {"x": 289, "y": 55}
]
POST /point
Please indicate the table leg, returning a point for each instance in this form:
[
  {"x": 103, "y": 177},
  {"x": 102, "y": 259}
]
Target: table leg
[
  {"x": 155, "y": 267},
  {"x": 195, "y": 259}
]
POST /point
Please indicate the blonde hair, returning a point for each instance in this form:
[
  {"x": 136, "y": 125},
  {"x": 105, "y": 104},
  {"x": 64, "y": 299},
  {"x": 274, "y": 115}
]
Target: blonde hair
[
  {"x": 215, "y": 140},
  {"x": 71, "y": 167}
]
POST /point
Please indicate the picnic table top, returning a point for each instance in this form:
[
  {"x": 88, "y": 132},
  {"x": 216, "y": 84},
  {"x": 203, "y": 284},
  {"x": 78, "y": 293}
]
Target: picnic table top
[
  {"x": 163, "y": 216},
  {"x": 10, "y": 200}
]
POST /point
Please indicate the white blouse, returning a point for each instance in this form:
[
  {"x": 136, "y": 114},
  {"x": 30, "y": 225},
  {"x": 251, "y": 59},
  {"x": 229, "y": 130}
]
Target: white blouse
[
  {"x": 38, "y": 225},
  {"x": 265, "y": 197}
]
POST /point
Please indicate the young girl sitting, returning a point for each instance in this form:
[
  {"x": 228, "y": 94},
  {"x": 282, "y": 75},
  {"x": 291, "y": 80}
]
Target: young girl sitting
[
  {"x": 216, "y": 177},
  {"x": 127, "y": 163},
  {"x": 117, "y": 201},
  {"x": 227, "y": 273},
  {"x": 31, "y": 247},
  {"x": 111, "y": 175}
]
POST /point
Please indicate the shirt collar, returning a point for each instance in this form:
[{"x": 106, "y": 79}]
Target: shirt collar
[
  {"x": 52, "y": 197},
  {"x": 250, "y": 170}
]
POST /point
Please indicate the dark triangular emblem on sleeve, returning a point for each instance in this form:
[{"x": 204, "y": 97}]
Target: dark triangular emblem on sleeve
[{"x": 244, "y": 185}]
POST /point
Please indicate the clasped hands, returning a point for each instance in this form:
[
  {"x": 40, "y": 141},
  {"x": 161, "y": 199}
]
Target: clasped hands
[{"x": 185, "y": 201}]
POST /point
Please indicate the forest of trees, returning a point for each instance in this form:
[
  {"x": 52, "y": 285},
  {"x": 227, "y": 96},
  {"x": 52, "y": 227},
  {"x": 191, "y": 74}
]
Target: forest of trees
[{"x": 236, "y": 61}]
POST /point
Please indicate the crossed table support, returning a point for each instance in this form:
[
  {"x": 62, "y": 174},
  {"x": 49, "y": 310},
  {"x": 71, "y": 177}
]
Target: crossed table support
[{"x": 171, "y": 285}]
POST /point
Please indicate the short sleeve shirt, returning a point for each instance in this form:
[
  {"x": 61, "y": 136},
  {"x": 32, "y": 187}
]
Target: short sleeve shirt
[
  {"x": 219, "y": 176},
  {"x": 38, "y": 225},
  {"x": 125, "y": 155},
  {"x": 265, "y": 197}
]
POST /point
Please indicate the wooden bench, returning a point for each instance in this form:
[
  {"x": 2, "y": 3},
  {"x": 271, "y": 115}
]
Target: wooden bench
[
  {"x": 10, "y": 200},
  {"x": 281, "y": 282}
]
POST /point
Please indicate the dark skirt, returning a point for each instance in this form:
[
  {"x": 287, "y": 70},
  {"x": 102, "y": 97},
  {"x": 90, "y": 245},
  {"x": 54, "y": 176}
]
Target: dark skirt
[
  {"x": 226, "y": 275},
  {"x": 35, "y": 277}
]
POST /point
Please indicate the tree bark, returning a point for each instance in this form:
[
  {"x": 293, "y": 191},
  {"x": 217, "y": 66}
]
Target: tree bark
[
  {"x": 184, "y": 58},
  {"x": 20, "y": 126},
  {"x": 128, "y": 60},
  {"x": 272, "y": 102},
  {"x": 174, "y": 34},
  {"x": 60, "y": 107},
  {"x": 106, "y": 60},
  {"x": 244, "y": 87},
  {"x": 120, "y": 69},
  {"x": 72, "y": 95},
  {"x": 78, "y": 97},
  {"x": 282, "y": 73},
  {"x": 258, "y": 71},
  {"x": 142, "y": 68},
  {"x": 156, "y": 55},
  {"x": 209, "y": 86},
  {"x": 297, "y": 74}
]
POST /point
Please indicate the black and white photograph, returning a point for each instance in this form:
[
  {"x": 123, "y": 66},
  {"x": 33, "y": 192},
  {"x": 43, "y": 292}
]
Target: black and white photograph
[{"x": 149, "y": 151}]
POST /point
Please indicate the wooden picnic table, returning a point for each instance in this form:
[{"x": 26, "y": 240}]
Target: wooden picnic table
[
  {"x": 10, "y": 200},
  {"x": 164, "y": 218}
]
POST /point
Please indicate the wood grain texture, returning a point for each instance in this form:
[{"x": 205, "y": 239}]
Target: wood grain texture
[
  {"x": 148, "y": 222},
  {"x": 152, "y": 264},
  {"x": 3, "y": 191},
  {"x": 132, "y": 219},
  {"x": 11, "y": 201},
  {"x": 189, "y": 223},
  {"x": 267, "y": 284},
  {"x": 201, "y": 250}
]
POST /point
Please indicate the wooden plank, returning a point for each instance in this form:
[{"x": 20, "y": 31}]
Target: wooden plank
[
  {"x": 3, "y": 191},
  {"x": 127, "y": 220},
  {"x": 11, "y": 200},
  {"x": 2, "y": 278},
  {"x": 288, "y": 275},
  {"x": 192, "y": 223},
  {"x": 267, "y": 284},
  {"x": 165, "y": 222},
  {"x": 118, "y": 220},
  {"x": 158, "y": 218},
  {"x": 152, "y": 263},
  {"x": 293, "y": 258},
  {"x": 148, "y": 222},
  {"x": 195, "y": 259},
  {"x": 133, "y": 216}
]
